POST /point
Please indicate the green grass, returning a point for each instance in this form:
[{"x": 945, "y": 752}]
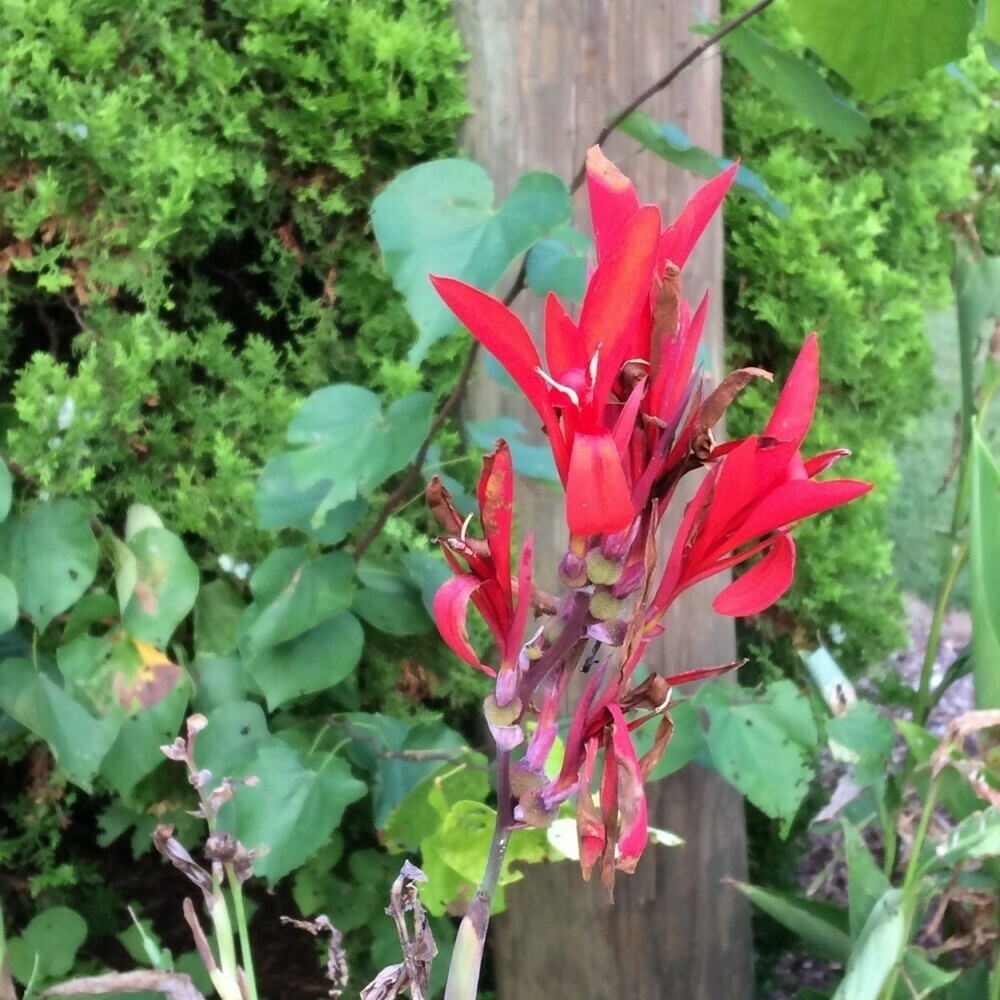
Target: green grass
[{"x": 920, "y": 513}]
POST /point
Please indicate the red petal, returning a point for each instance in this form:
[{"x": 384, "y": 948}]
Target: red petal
[
  {"x": 761, "y": 585},
  {"x": 520, "y": 617},
  {"x": 505, "y": 337},
  {"x": 793, "y": 412},
  {"x": 598, "y": 499},
  {"x": 496, "y": 510},
  {"x": 589, "y": 826},
  {"x": 819, "y": 463},
  {"x": 613, "y": 200},
  {"x": 679, "y": 239},
  {"x": 631, "y": 794},
  {"x": 451, "y": 610},
  {"x": 564, "y": 348},
  {"x": 793, "y": 501},
  {"x": 702, "y": 673},
  {"x": 620, "y": 285}
]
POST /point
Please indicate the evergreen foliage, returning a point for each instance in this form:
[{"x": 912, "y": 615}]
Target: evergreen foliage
[
  {"x": 861, "y": 258},
  {"x": 183, "y": 233}
]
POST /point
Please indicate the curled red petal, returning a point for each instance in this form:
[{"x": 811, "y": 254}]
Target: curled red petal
[
  {"x": 793, "y": 412},
  {"x": 631, "y": 794},
  {"x": 819, "y": 463},
  {"x": 620, "y": 285},
  {"x": 589, "y": 825},
  {"x": 496, "y": 509},
  {"x": 598, "y": 498},
  {"x": 761, "y": 585},
  {"x": 451, "y": 611},
  {"x": 613, "y": 200},
  {"x": 564, "y": 349},
  {"x": 506, "y": 338},
  {"x": 678, "y": 241},
  {"x": 792, "y": 501}
]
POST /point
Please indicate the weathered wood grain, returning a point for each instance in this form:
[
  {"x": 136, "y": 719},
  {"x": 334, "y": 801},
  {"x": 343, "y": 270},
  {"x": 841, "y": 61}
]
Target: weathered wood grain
[{"x": 543, "y": 77}]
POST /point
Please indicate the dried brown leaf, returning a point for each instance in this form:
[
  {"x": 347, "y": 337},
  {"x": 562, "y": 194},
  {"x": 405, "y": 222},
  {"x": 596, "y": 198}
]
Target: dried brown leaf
[{"x": 173, "y": 985}]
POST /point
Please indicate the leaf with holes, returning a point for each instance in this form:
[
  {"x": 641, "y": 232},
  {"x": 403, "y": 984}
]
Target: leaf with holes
[
  {"x": 50, "y": 555},
  {"x": 762, "y": 743},
  {"x": 78, "y": 741}
]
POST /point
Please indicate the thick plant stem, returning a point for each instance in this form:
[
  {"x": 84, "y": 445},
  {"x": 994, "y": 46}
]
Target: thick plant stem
[
  {"x": 467, "y": 958},
  {"x": 948, "y": 578},
  {"x": 911, "y": 884},
  {"x": 246, "y": 954}
]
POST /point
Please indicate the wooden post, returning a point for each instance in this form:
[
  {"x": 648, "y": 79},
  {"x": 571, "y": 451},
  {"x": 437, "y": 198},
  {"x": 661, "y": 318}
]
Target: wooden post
[{"x": 544, "y": 75}]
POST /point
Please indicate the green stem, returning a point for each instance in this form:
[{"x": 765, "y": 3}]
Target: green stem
[
  {"x": 911, "y": 883},
  {"x": 241, "y": 928},
  {"x": 958, "y": 557},
  {"x": 466, "y": 959}
]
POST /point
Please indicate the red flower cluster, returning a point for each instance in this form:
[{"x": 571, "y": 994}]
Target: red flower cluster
[{"x": 627, "y": 416}]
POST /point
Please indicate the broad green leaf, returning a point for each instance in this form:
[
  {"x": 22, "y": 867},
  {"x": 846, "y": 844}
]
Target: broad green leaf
[
  {"x": 78, "y": 741},
  {"x": 454, "y": 858},
  {"x": 52, "y": 939},
  {"x": 866, "y": 883},
  {"x": 977, "y": 288},
  {"x": 798, "y": 84},
  {"x": 559, "y": 264},
  {"x": 775, "y": 726},
  {"x": 8, "y": 604},
  {"x": 419, "y": 815},
  {"x": 428, "y": 572},
  {"x": 532, "y": 460},
  {"x": 401, "y": 754},
  {"x": 991, "y": 23},
  {"x": 219, "y": 680},
  {"x": 136, "y": 749},
  {"x": 341, "y": 437},
  {"x": 876, "y": 951},
  {"x": 977, "y": 836},
  {"x": 673, "y": 145},
  {"x": 139, "y": 517},
  {"x": 923, "y": 974},
  {"x": 166, "y": 586},
  {"x": 216, "y": 614},
  {"x": 50, "y": 555},
  {"x": 878, "y": 47},
  {"x": 275, "y": 572},
  {"x": 439, "y": 218},
  {"x": 687, "y": 741},
  {"x": 316, "y": 592},
  {"x": 96, "y": 608},
  {"x": 292, "y": 810},
  {"x": 984, "y": 565},
  {"x": 973, "y": 984},
  {"x": 389, "y": 599},
  {"x": 314, "y": 661},
  {"x": 862, "y": 738},
  {"x": 282, "y": 504},
  {"x": 822, "y": 926},
  {"x": 954, "y": 792},
  {"x": 6, "y": 490}
]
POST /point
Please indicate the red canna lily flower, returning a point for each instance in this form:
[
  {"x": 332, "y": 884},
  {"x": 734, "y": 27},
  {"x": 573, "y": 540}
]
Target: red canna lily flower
[
  {"x": 758, "y": 488},
  {"x": 487, "y": 583},
  {"x": 627, "y": 415},
  {"x": 588, "y": 409}
]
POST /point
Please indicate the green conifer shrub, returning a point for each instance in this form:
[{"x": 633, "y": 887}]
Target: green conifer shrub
[
  {"x": 861, "y": 258},
  {"x": 184, "y": 239}
]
